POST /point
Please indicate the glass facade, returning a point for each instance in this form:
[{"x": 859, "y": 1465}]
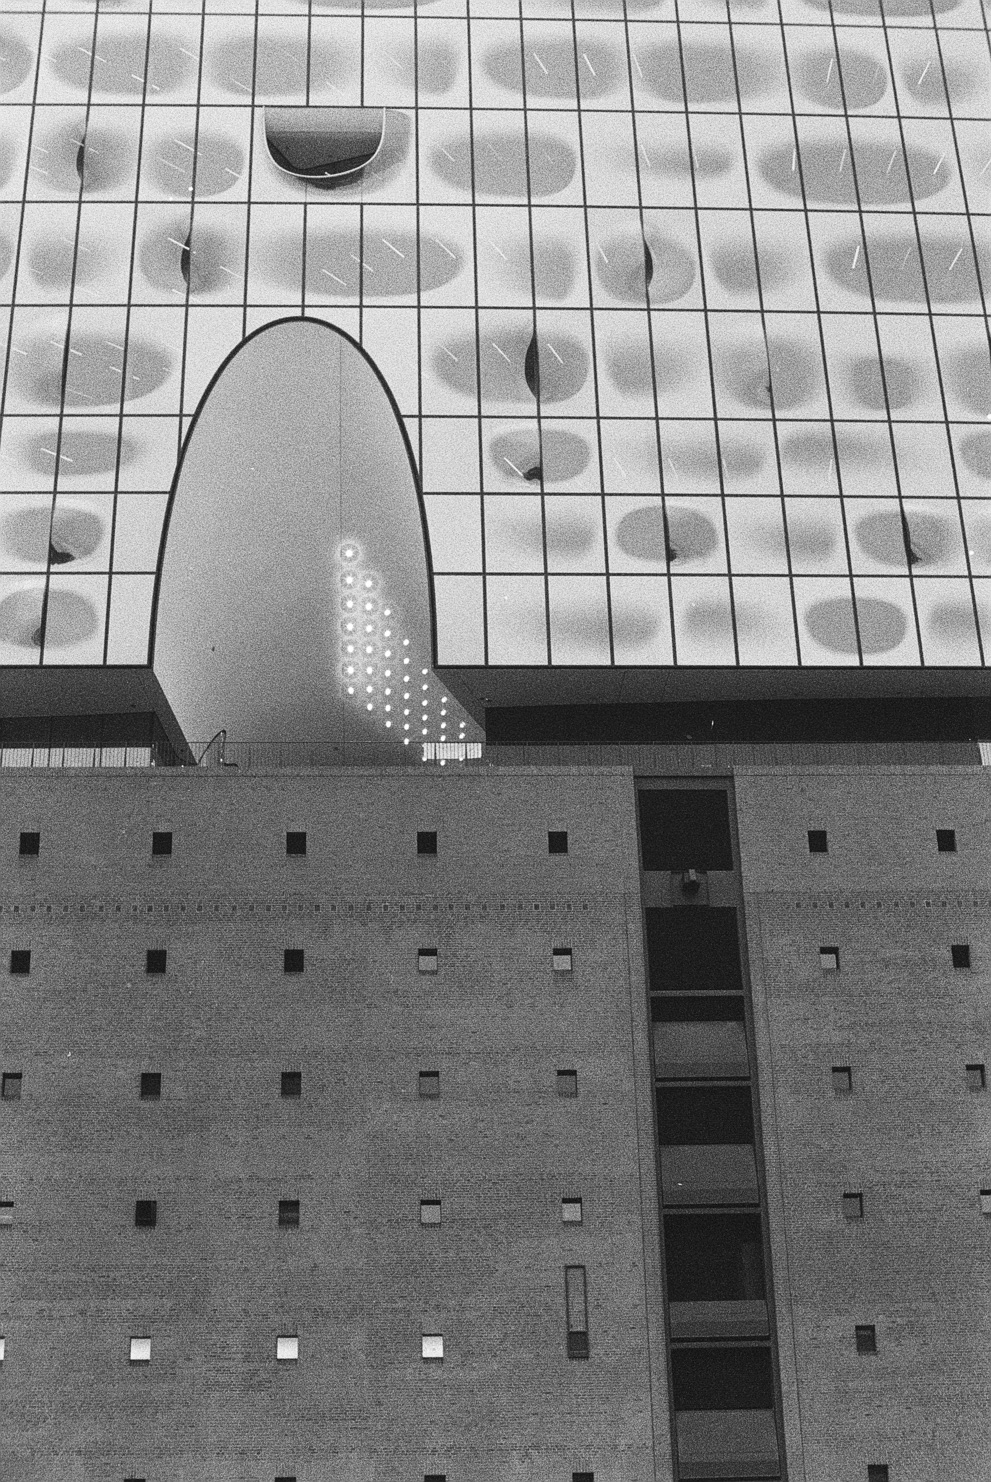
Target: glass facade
[{"x": 683, "y": 306}]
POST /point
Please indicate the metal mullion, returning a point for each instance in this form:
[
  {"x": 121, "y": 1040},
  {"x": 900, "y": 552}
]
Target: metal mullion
[
  {"x": 65, "y": 348},
  {"x": 250, "y": 176},
  {"x": 15, "y": 273},
  {"x": 877, "y": 337},
  {"x": 591, "y": 320},
  {"x": 763, "y": 322},
  {"x": 650, "y": 337},
  {"x": 127, "y": 323},
  {"x": 932, "y": 325},
  {"x": 536, "y": 339},
  {"x": 822, "y": 342},
  {"x": 705, "y": 320},
  {"x": 478, "y": 334}
]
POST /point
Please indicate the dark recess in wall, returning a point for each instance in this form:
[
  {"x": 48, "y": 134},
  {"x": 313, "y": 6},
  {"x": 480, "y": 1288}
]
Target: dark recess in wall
[{"x": 759, "y": 722}]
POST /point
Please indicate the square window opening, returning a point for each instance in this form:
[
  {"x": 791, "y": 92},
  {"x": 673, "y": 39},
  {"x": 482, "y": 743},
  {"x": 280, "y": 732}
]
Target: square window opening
[
  {"x": 818, "y": 841},
  {"x": 432, "y": 1347},
  {"x": 842, "y": 1077},
  {"x": 29, "y": 845},
  {"x": 11, "y": 1085},
  {"x": 288, "y": 1214},
  {"x": 287, "y": 1348},
  {"x": 435, "y": 1477},
  {"x": 829, "y": 959},
  {"x": 146, "y": 1213},
  {"x": 156, "y": 960},
  {"x": 426, "y": 841},
  {"x": 6, "y": 1211},
  {"x": 960, "y": 954},
  {"x": 293, "y": 960},
  {"x": 140, "y": 1351},
  {"x": 296, "y": 843},
  {"x": 20, "y": 962},
  {"x": 576, "y": 1308},
  {"x": 567, "y": 1083},
  {"x": 865, "y": 1337},
  {"x": 430, "y": 1211},
  {"x": 583, "y": 1477},
  {"x": 429, "y": 1084},
  {"x": 426, "y": 960},
  {"x": 161, "y": 843},
  {"x": 571, "y": 1211},
  {"x": 151, "y": 1085},
  {"x": 557, "y": 841},
  {"x": 878, "y": 1472},
  {"x": 291, "y": 1085},
  {"x": 561, "y": 959},
  {"x": 853, "y": 1206},
  {"x": 985, "y": 1201},
  {"x": 946, "y": 840},
  {"x": 976, "y": 1078}
]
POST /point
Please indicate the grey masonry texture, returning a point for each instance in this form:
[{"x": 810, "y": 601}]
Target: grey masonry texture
[{"x": 216, "y": 1281}]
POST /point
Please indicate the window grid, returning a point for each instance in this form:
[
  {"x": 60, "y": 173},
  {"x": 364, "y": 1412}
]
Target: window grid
[{"x": 886, "y": 590}]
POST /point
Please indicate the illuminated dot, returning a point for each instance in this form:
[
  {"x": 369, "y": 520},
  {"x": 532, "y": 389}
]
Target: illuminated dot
[
  {"x": 350, "y": 689},
  {"x": 406, "y": 726},
  {"x": 388, "y": 707},
  {"x": 370, "y": 669},
  {"x": 424, "y": 686},
  {"x": 388, "y": 632},
  {"x": 369, "y": 689},
  {"x": 388, "y": 690},
  {"x": 405, "y": 643},
  {"x": 424, "y": 671},
  {"x": 405, "y": 740},
  {"x": 387, "y": 611},
  {"x": 406, "y": 711},
  {"x": 388, "y": 723},
  {"x": 369, "y": 706},
  {"x": 443, "y": 762},
  {"x": 349, "y": 580},
  {"x": 424, "y": 731},
  {"x": 369, "y": 582}
]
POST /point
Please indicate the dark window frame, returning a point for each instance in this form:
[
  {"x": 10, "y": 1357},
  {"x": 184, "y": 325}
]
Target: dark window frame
[
  {"x": 567, "y": 1084},
  {"x": 156, "y": 961},
  {"x": 295, "y": 843},
  {"x": 29, "y": 844},
  {"x": 11, "y": 1085},
  {"x": 428, "y": 1085},
  {"x": 20, "y": 962},
  {"x": 865, "y": 1338},
  {"x": 161, "y": 843},
  {"x": 946, "y": 840},
  {"x": 289, "y": 1214},
  {"x": 145, "y": 1214},
  {"x": 818, "y": 841},
  {"x": 293, "y": 960},
  {"x": 426, "y": 843},
  {"x": 557, "y": 841},
  {"x": 150, "y": 1085},
  {"x": 291, "y": 1085},
  {"x": 960, "y": 955}
]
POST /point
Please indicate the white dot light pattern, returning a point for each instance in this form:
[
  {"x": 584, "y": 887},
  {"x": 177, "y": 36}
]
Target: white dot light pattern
[{"x": 369, "y": 641}]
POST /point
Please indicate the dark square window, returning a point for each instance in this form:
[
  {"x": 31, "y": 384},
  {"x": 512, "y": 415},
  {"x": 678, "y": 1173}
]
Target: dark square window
[
  {"x": 292, "y": 1083},
  {"x": 295, "y": 843},
  {"x": 818, "y": 842},
  {"x": 151, "y": 1085},
  {"x": 435, "y": 1477},
  {"x": 292, "y": 960},
  {"x": 829, "y": 959},
  {"x": 288, "y": 1214},
  {"x": 20, "y": 961},
  {"x": 6, "y": 1211},
  {"x": 685, "y": 829},
  {"x": 878, "y": 1472},
  {"x": 146, "y": 1213},
  {"x": 960, "y": 953},
  {"x": 583, "y": 1477},
  {"x": 866, "y": 1338},
  {"x": 567, "y": 1083},
  {"x": 578, "y": 1345},
  {"x": 161, "y": 842},
  {"x": 12, "y": 1081},
  {"x": 134, "y": 1479},
  {"x": 427, "y": 960},
  {"x": 429, "y": 1084},
  {"x": 976, "y": 1078},
  {"x": 557, "y": 841},
  {"x": 561, "y": 959},
  {"x": 692, "y": 951},
  {"x": 286, "y": 1477},
  {"x": 155, "y": 960},
  {"x": 426, "y": 842},
  {"x": 946, "y": 840},
  {"x": 30, "y": 845},
  {"x": 842, "y": 1080},
  {"x": 853, "y": 1206}
]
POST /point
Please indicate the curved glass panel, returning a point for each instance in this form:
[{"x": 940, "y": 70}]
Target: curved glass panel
[{"x": 324, "y": 143}]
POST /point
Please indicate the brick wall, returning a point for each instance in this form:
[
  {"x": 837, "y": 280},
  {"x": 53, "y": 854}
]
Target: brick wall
[{"x": 216, "y": 1280}]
